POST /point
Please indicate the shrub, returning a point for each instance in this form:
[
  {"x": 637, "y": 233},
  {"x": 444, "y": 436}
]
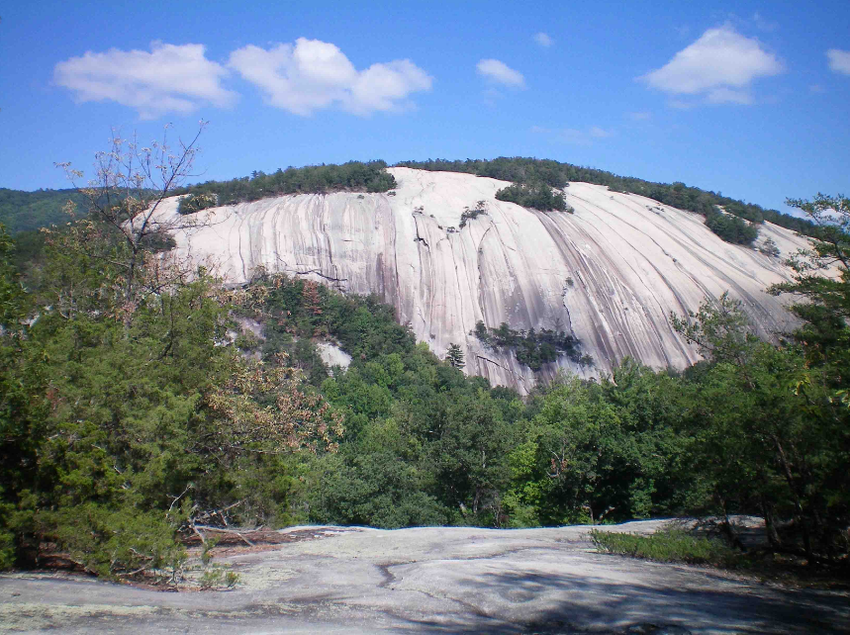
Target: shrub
[
  {"x": 769, "y": 248},
  {"x": 732, "y": 229},
  {"x": 114, "y": 544},
  {"x": 217, "y": 577},
  {"x": 475, "y": 212},
  {"x": 7, "y": 549},
  {"x": 533, "y": 348},
  {"x": 539, "y": 196},
  {"x": 194, "y": 203},
  {"x": 665, "y": 546}
]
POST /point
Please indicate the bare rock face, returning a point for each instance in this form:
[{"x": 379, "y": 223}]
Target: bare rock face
[{"x": 611, "y": 273}]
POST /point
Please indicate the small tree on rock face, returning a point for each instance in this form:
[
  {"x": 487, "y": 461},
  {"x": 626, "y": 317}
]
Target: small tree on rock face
[
  {"x": 769, "y": 248},
  {"x": 454, "y": 356}
]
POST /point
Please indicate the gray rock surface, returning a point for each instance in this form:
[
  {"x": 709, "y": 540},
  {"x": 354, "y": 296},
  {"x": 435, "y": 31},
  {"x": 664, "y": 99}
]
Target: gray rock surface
[
  {"x": 611, "y": 273},
  {"x": 432, "y": 580}
]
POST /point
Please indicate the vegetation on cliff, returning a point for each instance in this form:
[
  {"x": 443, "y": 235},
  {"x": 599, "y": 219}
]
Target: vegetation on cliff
[
  {"x": 354, "y": 176},
  {"x": 533, "y": 348},
  {"x": 539, "y": 196}
]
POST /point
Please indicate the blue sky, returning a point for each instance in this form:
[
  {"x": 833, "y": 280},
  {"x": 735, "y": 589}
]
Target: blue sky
[{"x": 749, "y": 99}]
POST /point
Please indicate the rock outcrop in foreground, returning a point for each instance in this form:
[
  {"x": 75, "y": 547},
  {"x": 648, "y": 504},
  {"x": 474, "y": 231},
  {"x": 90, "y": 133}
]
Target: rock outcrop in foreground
[
  {"x": 430, "y": 580},
  {"x": 610, "y": 273}
]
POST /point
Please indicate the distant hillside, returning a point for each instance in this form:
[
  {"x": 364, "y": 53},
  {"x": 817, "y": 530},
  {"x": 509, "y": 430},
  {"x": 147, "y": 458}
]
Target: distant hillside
[{"x": 25, "y": 211}]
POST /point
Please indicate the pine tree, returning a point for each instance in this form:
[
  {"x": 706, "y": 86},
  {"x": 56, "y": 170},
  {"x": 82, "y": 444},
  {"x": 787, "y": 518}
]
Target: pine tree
[{"x": 454, "y": 356}]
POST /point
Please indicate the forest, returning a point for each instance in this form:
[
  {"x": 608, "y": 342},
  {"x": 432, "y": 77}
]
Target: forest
[
  {"x": 29, "y": 211},
  {"x": 139, "y": 396}
]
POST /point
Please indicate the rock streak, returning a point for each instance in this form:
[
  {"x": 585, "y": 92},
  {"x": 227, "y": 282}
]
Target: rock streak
[{"x": 611, "y": 273}]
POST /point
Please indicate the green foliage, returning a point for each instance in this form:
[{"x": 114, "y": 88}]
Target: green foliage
[
  {"x": 720, "y": 329},
  {"x": 28, "y": 211},
  {"x": 13, "y": 301},
  {"x": 538, "y": 196},
  {"x": 599, "y": 451},
  {"x": 769, "y": 248},
  {"x": 664, "y": 546},
  {"x": 111, "y": 414},
  {"x": 471, "y": 214},
  {"x": 300, "y": 310},
  {"x": 769, "y": 436},
  {"x": 732, "y": 229},
  {"x": 7, "y": 549},
  {"x": 353, "y": 176},
  {"x": 194, "y": 203},
  {"x": 826, "y": 306},
  {"x": 113, "y": 542},
  {"x": 423, "y": 443},
  {"x": 533, "y": 348},
  {"x": 374, "y": 489},
  {"x": 516, "y": 169},
  {"x": 216, "y": 577},
  {"x": 124, "y": 416},
  {"x": 820, "y": 382},
  {"x": 454, "y": 356}
]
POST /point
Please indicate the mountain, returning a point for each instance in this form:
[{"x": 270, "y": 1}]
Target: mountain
[
  {"x": 27, "y": 211},
  {"x": 608, "y": 274}
]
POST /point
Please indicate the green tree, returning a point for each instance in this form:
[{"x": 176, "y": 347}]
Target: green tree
[
  {"x": 767, "y": 437},
  {"x": 21, "y": 417},
  {"x": 731, "y": 228},
  {"x": 822, "y": 279},
  {"x": 125, "y": 415},
  {"x": 539, "y": 196},
  {"x": 598, "y": 451},
  {"x": 468, "y": 454},
  {"x": 12, "y": 296},
  {"x": 454, "y": 356}
]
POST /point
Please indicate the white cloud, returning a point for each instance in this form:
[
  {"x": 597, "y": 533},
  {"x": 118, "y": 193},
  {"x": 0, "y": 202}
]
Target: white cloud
[
  {"x": 720, "y": 65},
  {"x": 544, "y": 40},
  {"x": 171, "y": 78},
  {"x": 311, "y": 75},
  {"x": 640, "y": 116},
  {"x": 839, "y": 61},
  {"x": 600, "y": 133},
  {"x": 501, "y": 73}
]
